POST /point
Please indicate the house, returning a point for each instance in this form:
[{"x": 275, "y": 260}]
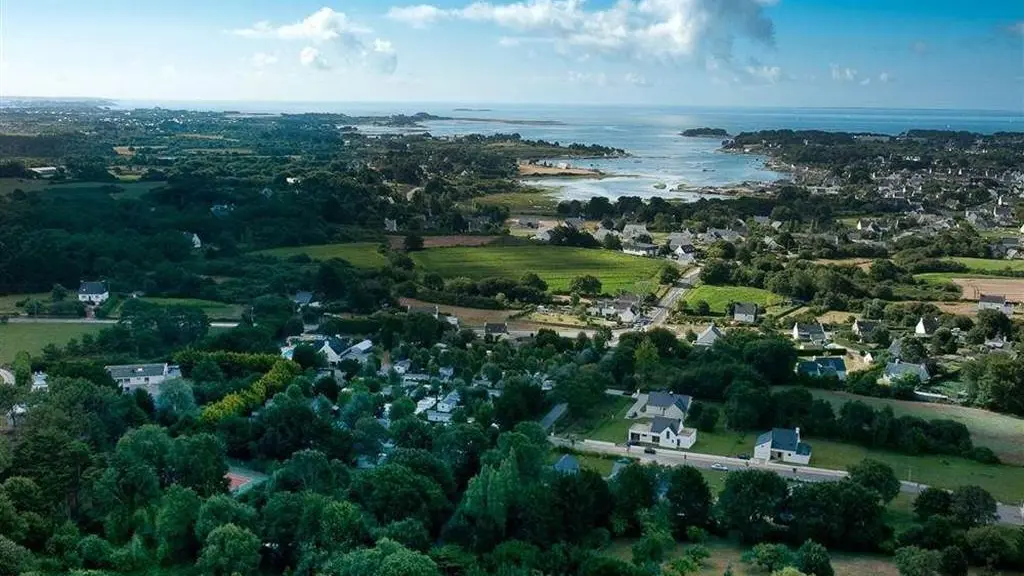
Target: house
[
  {"x": 39, "y": 381},
  {"x": 430, "y": 310},
  {"x": 782, "y": 444},
  {"x": 677, "y": 239},
  {"x": 131, "y": 377},
  {"x": 864, "y": 328},
  {"x": 709, "y": 336},
  {"x": 813, "y": 333},
  {"x": 400, "y": 367},
  {"x": 359, "y": 352},
  {"x": 575, "y": 223},
  {"x": 685, "y": 253},
  {"x": 667, "y": 405},
  {"x": 390, "y": 225},
  {"x": 897, "y": 369},
  {"x": 449, "y": 402},
  {"x": 438, "y": 417},
  {"x": 332, "y": 350},
  {"x": 495, "y": 329},
  {"x": 640, "y": 249},
  {"x": 543, "y": 235},
  {"x": 425, "y": 404},
  {"x": 926, "y": 326},
  {"x": 601, "y": 233},
  {"x": 44, "y": 171},
  {"x": 635, "y": 230},
  {"x": 303, "y": 298},
  {"x": 193, "y": 239},
  {"x": 993, "y": 302},
  {"x": 823, "y": 367},
  {"x": 745, "y": 312},
  {"x": 93, "y": 292},
  {"x": 664, "y": 432},
  {"x": 567, "y": 464}
]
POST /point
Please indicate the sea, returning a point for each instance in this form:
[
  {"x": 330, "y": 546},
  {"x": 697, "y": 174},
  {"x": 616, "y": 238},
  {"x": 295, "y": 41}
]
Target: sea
[{"x": 660, "y": 162}]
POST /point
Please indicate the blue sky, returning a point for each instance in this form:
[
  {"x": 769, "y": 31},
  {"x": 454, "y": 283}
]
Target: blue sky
[{"x": 835, "y": 53}]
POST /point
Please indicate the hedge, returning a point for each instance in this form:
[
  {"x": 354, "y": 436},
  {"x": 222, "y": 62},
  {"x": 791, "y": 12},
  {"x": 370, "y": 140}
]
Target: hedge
[
  {"x": 233, "y": 364},
  {"x": 245, "y": 401}
]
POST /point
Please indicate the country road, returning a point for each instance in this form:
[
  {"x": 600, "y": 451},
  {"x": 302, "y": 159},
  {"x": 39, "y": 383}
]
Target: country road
[
  {"x": 1008, "y": 514},
  {"x": 105, "y": 321}
]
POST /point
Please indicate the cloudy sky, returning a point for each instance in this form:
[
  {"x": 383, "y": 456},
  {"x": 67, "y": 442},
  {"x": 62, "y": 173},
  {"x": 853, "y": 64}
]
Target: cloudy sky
[{"x": 868, "y": 53}]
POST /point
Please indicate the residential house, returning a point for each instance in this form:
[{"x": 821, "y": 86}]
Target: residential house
[
  {"x": 995, "y": 302},
  {"x": 1004, "y": 246},
  {"x": 897, "y": 369},
  {"x": 332, "y": 349},
  {"x": 430, "y": 310},
  {"x": 640, "y": 249},
  {"x": 664, "y": 432},
  {"x": 94, "y": 293},
  {"x": 745, "y": 312},
  {"x": 708, "y": 337},
  {"x": 601, "y": 233},
  {"x": 303, "y": 298},
  {"x": 685, "y": 253},
  {"x": 44, "y": 171},
  {"x": 635, "y": 230},
  {"x": 575, "y": 223},
  {"x": 39, "y": 381},
  {"x": 131, "y": 377},
  {"x": 390, "y": 225},
  {"x": 926, "y": 326},
  {"x": 567, "y": 464},
  {"x": 823, "y": 367},
  {"x": 360, "y": 352},
  {"x": 438, "y": 417},
  {"x": 677, "y": 239},
  {"x": 782, "y": 444},
  {"x": 193, "y": 239},
  {"x": 450, "y": 402},
  {"x": 864, "y": 328},
  {"x": 667, "y": 405},
  {"x": 543, "y": 235},
  {"x": 496, "y": 329},
  {"x": 400, "y": 367},
  {"x": 813, "y": 333}
]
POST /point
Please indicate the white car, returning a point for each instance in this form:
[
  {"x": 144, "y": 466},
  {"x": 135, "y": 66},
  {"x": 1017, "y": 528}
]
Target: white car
[{"x": 719, "y": 467}]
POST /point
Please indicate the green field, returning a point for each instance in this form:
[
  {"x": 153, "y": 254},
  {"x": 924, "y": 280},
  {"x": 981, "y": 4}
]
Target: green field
[
  {"x": 7, "y": 303},
  {"x": 989, "y": 265},
  {"x": 556, "y": 265},
  {"x": 539, "y": 202},
  {"x": 358, "y": 254},
  {"x": 947, "y": 277},
  {"x": 33, "y": 337},
  {"x": 608, "y": 424},
  {"x": 1000, "y": 432},
  {"x": 718, "y": 297},
  {"x": 130, "y": 189},
  {"x": 214, "y": 310}
]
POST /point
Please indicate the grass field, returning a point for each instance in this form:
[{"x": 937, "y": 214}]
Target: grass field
[
  {"x": 359, "y": 254},
  {"x": 989, "y": 265},
  {"x": 7, "y": 303},
  {"x": 539, "y": 202},
  {"x": 718, "y": 297},
  {"x": 947, "y": 277},
  {"x": 214, "y": 310},
  {"x": 1000, "y": 432},
  {"x": 556, "y": 265},
  {"x": 609, "y": 423},
  {"x": 33, "y": 337}
]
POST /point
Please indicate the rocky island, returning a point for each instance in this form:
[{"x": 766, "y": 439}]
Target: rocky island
[{"x": 705, "y": 133}]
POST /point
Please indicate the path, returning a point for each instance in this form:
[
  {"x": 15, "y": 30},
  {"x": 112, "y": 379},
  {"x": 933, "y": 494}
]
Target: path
[
  {"x": 7, "y": 377},
  {"x": 1007, "y": 514},
  {"x": 549, "y": 420},
  {"x": 102, "y": 321},
  {"x": 668, "y": 302}
]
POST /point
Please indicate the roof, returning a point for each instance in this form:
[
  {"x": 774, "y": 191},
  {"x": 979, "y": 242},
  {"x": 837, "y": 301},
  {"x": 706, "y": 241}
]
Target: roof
[
  {"x": 810, "y": 329},
  {"x": 92, "y": 288},
  {"x": 709, "y": 336},
  {"x": 786, "y": 439},
  {"x": 567, "y": 464},
  {"x": 992, "y": 299},
  {"x": 495, "y": 328},
  {"x": 453, "y": 397},
  {"x": 136, "y": 370},
  {"x": 865, "y": 326},
  {"x": 896, "y": 347},
  {"x": 666, "y": 399},
  {"x": 930, "y": 323},
  {"x": 303, "y": 297},
  {"x": 897, "y": 369},
  {"x": 660, "y": 423},
  {"x": 746, "y": 308},
  {"x": 429, "y": 310},
  {"x": 833, "y": 363}
]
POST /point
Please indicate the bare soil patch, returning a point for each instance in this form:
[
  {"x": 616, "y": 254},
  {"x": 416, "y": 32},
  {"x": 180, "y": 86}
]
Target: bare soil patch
[
  {"x": 973, "y": 288},
  {"x": 526, "y": 169},
  {"x": 468, "y": 317},
  {"x": 397, "y": 242}
]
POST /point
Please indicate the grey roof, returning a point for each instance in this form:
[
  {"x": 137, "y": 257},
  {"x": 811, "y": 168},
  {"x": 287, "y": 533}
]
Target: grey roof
[
  {"x": 495, "y": 328},
  {"x": 302, "y": 297},
  {"x": 896, "y": 347},
  {"x": 567, "y": 464},
  {"x": 666, "y": 399},
  {"x": 811, "y": 330},
  {"x": 784, "y": 439},
  {"x": 747, "y": 308},
  {"x": 660, "y": 423},
  {"x": 709, "y": 336},
  {"x": 92, "y": 288},
  {"x": 897, "y": 369},
  {"x": 992, "y": 299},
  {"x": 453, "y": 397},
  {"x": 428, "y": 309},
  {"x": 866, "y": 326},
  {"x": 136, "y": 370}
]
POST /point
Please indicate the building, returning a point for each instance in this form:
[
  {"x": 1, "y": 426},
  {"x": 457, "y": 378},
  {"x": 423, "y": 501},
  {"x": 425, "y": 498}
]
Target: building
[
  {"x": 823, "y": 367},
  {"x": 567, "y": 464},
  {"x": 813, "y": 333},
  {"x": 44, "y": 171},
  {"x": 94, "y": 293},
  {"x": 496, "y": 329},
  {"x": 640, "y": 249},
  {"x": 666, "y": 404},
  {"x": 193, "y": 239},
  {"x": 782, "y": 444},
  {"x": 39, "y": 381},
  {"x": 574, "y": 223},
  {"x": 449, "y": 402},
  {"x": 303, "y": 298},
  {"x": 709, "y": 336},
  {"x": 864, "y": 328},
  {"x": 430, "y": 310},
  {"x": 359, "y": 352},
  {"x": 745, "y": 312},
  {"x": 926, "y": 326},
  {"x": 994, "y": 302},
  {"x": 896, "y": 370},
  {"x": 664, "y": 432},
  {"x": 390, "y": 225},
  {"x": 131, "y": 377},
  {"x": 685, "y": 253},
  {"x": 635, "y": 230}
]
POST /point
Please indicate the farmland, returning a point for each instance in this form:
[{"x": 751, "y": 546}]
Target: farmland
[
  {"x": 718, "y": 297},
  {"x": 214, "y": 310},
  {"x": 539, "y": 202},
  {"x": 359, "y": 254},
  {"x": 556, "y": 265},
  {"x": 32, "y": 338},
  {"x": 989, "y": 265}
]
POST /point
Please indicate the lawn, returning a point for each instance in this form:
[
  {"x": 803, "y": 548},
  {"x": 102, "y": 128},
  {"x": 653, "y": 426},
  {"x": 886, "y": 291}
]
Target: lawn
[
  {"x": 358, "y": 254},
  {"x": 718, "y": 297},
  {"x": 214, "y": 310},
  {"x": 609, "y": 423},
  {"x": 947, "y": 277},
  {"x": 538, "y": 202},
  {"x": 989, "y": 265},
  {"x": 7, "y": 303},
  {"x": 33, "y": 337},
  {"x": 1000, "y": 432},
  {"x": 555, "y": 264}
]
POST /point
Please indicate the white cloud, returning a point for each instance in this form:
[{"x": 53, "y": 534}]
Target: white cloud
[
  {"x": 843, "y": 74},
  {"x": 865, "y": 82},
  {"x": 884, "y": 77},
  {"x": 312, "y": 58},
  {"x": 328, "y": 33},
  {"x": 262, "y": 59},
  {"x": 596, "y": 79},
  {"x": 665, "y": 29},
  {"x": 636, "y": 79},
  {"x": 765, "y": 73}
]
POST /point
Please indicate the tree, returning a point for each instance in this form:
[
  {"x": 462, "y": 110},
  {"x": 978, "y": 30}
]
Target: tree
[
  {"x": 813, "y": 559},
  {"x": 750, "y": 501},
  {"x": 770, "y": 557},
  {"x": 586, "y": 285},
  {"x": 932, "y": 502},
  {"x": 689, "y": 500},
  {"x": 175, "y": 525},
  {"x": 230, "y": 550},
  {"x": 877, "y": 476},
  {"x": 669, "y": 274},
  {"x": 521, "y": 400},
  {"x": 342, "y": 527},
  {"x": 991, "y": 546},
  {"x": 914, "y": 561},
  {"x": 952, "y": 562},
  {"x": 220, "y": 510},
  {"x": 199, "y": 463},
  {"x": 307, "y": 356},
  {"x": 14, "y": 559},
  {"x": 175, "y": 401},
  {"x": 994, "y": 323},
  {"x": 58, "y": 293},
  {"x": 972, "y": 506},
  {"x": 413, "y": 243},
  {"x": 912, "y": 350},
  {"x": 634, "y": 490}
]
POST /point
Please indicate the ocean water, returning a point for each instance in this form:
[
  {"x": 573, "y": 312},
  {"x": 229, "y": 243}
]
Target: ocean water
[{"x": 660, "y": 160}]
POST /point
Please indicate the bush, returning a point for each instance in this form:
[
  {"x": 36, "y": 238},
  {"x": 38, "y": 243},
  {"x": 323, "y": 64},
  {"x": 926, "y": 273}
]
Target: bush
[
  {"x": 769, "y": 557},
  {"x": 984, "y": 455}
]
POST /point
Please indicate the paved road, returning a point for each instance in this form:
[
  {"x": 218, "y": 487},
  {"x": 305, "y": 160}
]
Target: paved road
[
  {"x": 668, "y": 301},
  {"x": 1007, "y": 514},
  {"x": 104, "y": 321}
]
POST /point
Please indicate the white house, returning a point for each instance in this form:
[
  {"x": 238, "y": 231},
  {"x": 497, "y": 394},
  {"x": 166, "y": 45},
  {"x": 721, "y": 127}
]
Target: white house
[
  {"x": 39, "y": 381},
  {"x": 686, "y": 253},
  {"x": 664, "y": 432},
  {"x": 782, "y": 444},
  {"x": 814, "y": 333},
  {"x": 864, "y": 328},
  {"x": 667, "y": 405},
  {"x": 193, "y": 239},
  {"x": 131, "y": 377},
  {"x": 94, "y": 293},
  {"x": 994, "y": 302},
  {"x": 926, "y": 326},
  {"x": 745, "y": 312},
  {"x": 640, "y": 249},
  {"x": 45, "y": 171},
  {"x": 709, "y": 336}
]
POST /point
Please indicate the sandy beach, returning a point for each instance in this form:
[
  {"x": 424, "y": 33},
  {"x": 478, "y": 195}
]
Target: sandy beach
[{"x": 527, "y": 169}]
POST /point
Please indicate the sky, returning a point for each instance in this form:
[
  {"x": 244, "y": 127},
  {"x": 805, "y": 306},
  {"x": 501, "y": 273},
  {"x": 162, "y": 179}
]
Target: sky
[{"x": 954, "y": 54}]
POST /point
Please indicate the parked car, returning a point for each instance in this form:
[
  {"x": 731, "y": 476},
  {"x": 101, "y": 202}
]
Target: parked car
[
  {"x": 719, "y": 467},
  {"x": 649, "y": 450},
  {"x": 743, "y": 456}
]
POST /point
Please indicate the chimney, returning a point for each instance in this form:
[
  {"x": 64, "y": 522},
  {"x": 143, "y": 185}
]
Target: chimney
[{"x": 798, "y": 434}]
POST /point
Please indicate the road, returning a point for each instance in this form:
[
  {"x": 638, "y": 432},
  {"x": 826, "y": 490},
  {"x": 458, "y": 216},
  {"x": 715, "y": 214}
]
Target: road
[
  {"x": 667, "y": 303},
  {"x": 104, "y": 321},
  {"x": 1007, "y": 514}
]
